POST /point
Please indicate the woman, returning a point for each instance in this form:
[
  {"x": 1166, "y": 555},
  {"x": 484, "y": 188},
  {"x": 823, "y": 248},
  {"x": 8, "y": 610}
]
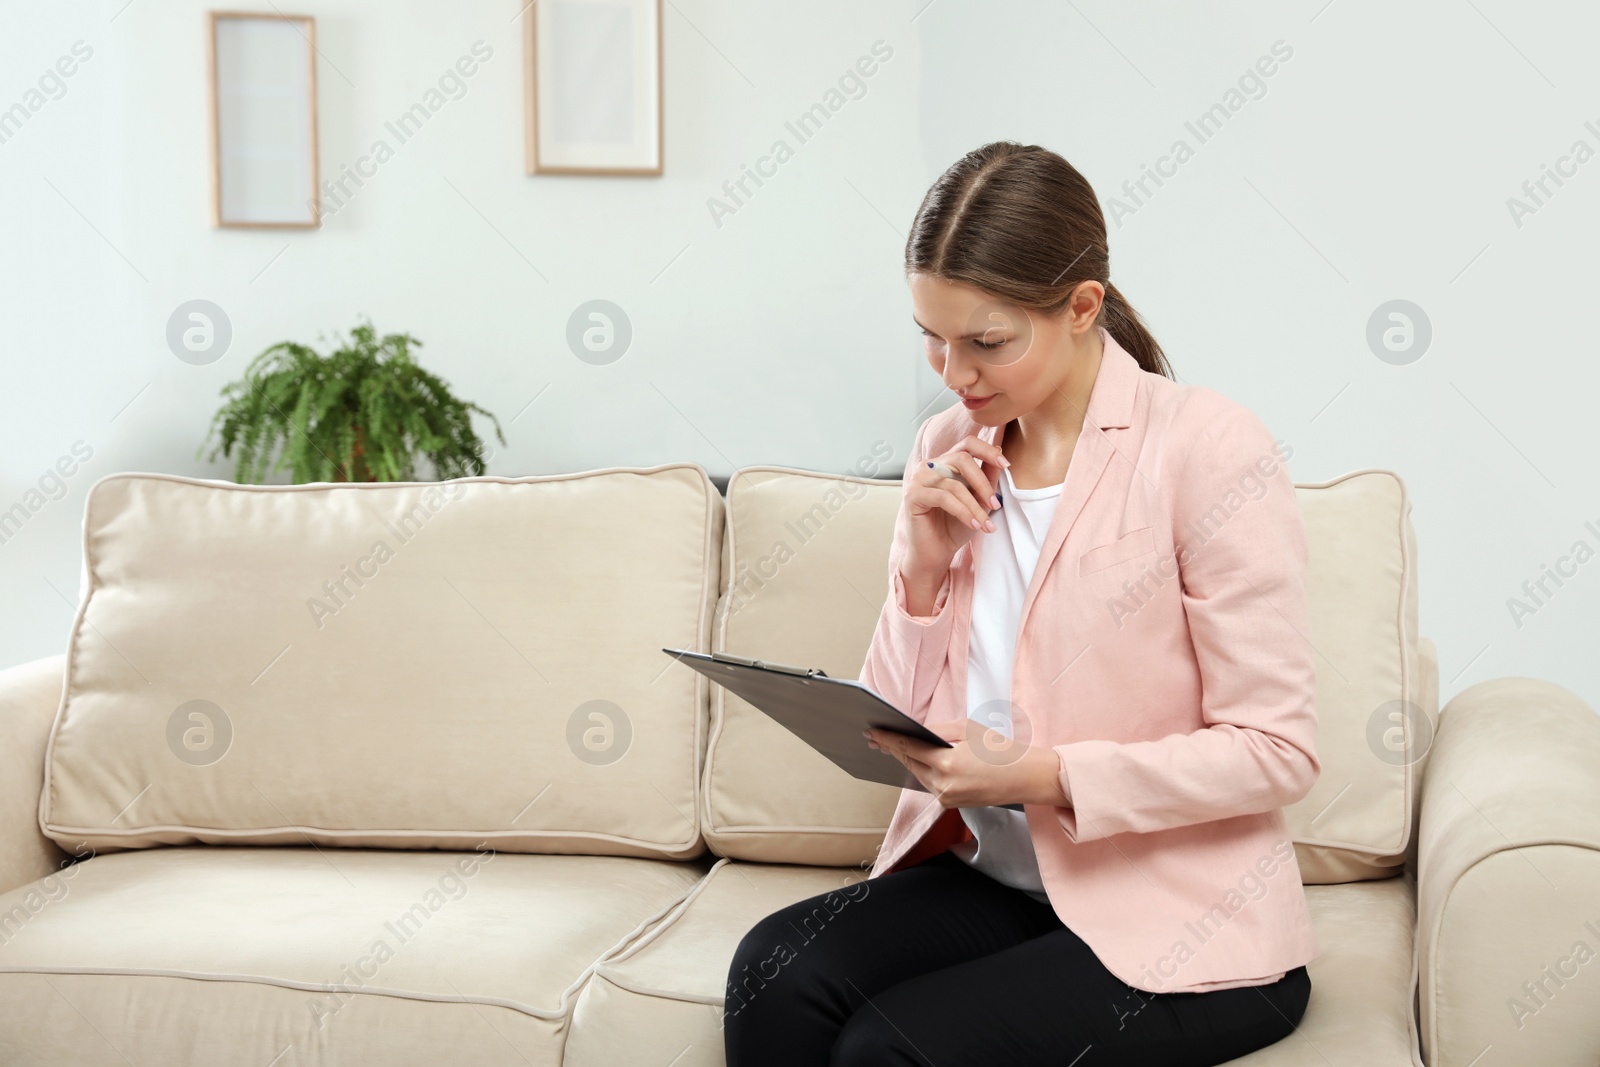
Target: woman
[{"x": 1097, "y": 595}]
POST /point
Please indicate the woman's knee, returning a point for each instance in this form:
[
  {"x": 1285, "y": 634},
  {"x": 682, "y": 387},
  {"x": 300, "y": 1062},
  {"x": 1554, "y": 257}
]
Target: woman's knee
[
  {"x": 755, "y": 963},
  {"x": 774, "y": 961}
]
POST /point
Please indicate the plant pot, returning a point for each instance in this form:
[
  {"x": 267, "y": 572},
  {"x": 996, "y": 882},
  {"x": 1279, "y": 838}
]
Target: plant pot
[{"x": 356, "y": 464}]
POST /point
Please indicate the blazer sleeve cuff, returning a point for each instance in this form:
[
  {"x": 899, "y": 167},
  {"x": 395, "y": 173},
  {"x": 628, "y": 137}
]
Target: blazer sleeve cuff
[
  {"x": 908, "y": 652},
  {"x": 925, "y": 622},
  {"x": 1082, "y": 820}
]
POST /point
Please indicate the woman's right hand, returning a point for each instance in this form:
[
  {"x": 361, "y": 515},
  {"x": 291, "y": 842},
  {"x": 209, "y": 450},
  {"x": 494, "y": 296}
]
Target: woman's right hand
[{"x": 944, "y": 513}]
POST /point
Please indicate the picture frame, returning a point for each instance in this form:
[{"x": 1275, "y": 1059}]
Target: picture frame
[
  {"x": 592, "y": 78},
  {"x": 262, "y": 75}
]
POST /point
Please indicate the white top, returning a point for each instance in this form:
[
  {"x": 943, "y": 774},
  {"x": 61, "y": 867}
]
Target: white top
[{"x": 1003, "y": 848}]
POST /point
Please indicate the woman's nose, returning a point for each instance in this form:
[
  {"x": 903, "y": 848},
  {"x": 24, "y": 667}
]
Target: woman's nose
[
  {"x": 958, "y": 378},
  {"x": 961, "y": 383}
]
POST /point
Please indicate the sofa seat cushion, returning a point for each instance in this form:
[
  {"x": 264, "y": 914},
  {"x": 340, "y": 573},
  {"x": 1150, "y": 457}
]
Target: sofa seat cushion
[
  {"x": 331, "y": 953},
  {"x": 661, "y": 997}
]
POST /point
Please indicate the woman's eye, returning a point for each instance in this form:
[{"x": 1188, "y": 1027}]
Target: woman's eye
[{"x": 985, "y": 346}]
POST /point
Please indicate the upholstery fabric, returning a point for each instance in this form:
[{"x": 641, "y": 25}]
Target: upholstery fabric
[
  {"x": 804, "y": 558},
  {"x": 1377, "y": 698},
  {"x": 404, "y": 665},
  {"x": 342, "y": 955},
  {"x": 1508, "y": 938},
  {"x": 29, "y": 696}
]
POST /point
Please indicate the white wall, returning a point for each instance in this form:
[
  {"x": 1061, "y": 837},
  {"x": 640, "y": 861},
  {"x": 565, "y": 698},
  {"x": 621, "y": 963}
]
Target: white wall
[{"x": 1375, "y": 163}]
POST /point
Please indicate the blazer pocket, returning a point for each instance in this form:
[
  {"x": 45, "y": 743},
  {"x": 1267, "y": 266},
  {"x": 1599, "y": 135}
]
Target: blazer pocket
[{"x": 1129, "y": 545}]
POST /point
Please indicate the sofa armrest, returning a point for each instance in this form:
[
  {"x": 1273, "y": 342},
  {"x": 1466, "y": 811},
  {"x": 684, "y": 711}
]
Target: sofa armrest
[
  {"x": 1508, "y": 894},
  {"x": 29, "y": 697}
]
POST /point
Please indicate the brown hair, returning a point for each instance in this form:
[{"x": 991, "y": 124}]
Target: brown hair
[{"x": 1020, "y": 223}]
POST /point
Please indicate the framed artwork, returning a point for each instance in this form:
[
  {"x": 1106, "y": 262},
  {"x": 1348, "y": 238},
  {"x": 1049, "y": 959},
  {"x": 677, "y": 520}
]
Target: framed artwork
[
  {"x": 592, "y": 86},
  {"x": 263, "y": 80}
]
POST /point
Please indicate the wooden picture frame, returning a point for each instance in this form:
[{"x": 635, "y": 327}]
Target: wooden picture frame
[
  {"x": 592, "y": 87},
  {"x": 262, "y": 74}
]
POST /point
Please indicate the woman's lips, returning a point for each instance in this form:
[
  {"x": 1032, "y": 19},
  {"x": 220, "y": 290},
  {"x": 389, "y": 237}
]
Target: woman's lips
[{"x": 973, "y": 403}]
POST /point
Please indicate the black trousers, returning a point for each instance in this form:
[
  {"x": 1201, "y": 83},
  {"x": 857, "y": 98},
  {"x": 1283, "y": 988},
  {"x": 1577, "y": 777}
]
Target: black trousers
[{"x": 939, "y": 965}]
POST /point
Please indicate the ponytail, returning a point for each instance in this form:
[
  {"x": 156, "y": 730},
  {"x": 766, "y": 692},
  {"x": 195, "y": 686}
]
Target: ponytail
[{"x": 1127, "y": 326}]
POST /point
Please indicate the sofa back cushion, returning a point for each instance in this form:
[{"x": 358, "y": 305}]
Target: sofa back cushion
[
  {"x": 805, "y": 573},
  {"x": 1377, "y": 695},
  {"x": 805, "y": 564},
  {"x": 401, "y": 665}
]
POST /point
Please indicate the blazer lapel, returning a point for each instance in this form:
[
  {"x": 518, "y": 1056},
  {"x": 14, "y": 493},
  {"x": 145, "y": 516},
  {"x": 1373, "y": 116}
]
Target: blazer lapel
[
  {"x": 1089, "y": 460},
  {"x": 1110, "y": 407}
]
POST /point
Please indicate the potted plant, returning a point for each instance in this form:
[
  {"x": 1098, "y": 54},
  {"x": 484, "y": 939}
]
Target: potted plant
[{"x": 363, "y": 413}]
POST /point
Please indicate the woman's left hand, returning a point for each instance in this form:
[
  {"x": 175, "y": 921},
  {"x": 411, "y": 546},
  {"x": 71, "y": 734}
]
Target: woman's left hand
[{"x": 983, "y": 767}]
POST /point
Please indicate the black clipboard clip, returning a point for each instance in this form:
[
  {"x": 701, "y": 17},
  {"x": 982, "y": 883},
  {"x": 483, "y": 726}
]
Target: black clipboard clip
[{"x": 767, "y": 664}]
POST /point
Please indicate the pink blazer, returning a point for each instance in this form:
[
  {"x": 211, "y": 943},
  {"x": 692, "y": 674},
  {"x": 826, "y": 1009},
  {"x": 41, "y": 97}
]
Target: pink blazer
[{"x": 1164, "y": 654}]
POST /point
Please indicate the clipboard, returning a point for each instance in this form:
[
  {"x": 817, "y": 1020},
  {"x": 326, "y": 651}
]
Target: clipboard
[{"x": 826, "y": 713}]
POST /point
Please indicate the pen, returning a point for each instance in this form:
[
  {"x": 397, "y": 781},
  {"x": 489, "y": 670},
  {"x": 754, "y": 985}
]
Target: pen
[{"x": 943, "y": 470}]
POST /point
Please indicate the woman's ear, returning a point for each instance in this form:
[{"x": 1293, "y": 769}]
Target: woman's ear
[{"x": 1083, "y": 306}]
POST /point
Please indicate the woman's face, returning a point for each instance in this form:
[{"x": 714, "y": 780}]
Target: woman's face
[{"x": 987, "y": 350}]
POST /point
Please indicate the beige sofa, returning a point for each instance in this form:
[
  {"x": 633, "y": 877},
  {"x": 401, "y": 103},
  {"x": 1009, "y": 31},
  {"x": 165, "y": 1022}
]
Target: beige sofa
[{"x": 398, "y": 774}]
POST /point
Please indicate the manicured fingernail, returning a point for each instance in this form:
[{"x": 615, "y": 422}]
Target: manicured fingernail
[{"x": 994, "y": 501}]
